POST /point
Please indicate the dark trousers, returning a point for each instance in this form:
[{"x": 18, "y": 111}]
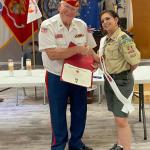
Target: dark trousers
[{"x": 58, "y": 93}]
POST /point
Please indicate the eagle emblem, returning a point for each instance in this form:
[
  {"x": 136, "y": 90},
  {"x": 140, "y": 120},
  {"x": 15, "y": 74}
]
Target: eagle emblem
[{"x": 17, "y": 7}]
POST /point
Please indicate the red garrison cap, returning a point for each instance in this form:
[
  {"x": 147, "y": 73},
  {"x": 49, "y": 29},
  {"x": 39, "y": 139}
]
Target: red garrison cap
[{"x": 74, "y": 3}]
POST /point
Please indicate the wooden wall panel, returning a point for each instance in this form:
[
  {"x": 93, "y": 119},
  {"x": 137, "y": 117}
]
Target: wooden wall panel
[{"x": 141, "y": 29}]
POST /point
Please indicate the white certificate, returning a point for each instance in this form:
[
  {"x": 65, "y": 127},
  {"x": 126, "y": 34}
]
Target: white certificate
[{"x": 76, "y": 75}]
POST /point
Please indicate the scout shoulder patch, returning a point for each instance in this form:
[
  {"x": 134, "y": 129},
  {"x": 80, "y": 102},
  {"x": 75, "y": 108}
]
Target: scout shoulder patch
[
  {"x": 126, "y": 40},
  {"x": 130, "y": 49}
]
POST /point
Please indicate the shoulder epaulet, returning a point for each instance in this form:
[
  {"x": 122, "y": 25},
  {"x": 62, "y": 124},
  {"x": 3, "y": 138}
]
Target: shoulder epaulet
[{"x": 50, "y": 20}]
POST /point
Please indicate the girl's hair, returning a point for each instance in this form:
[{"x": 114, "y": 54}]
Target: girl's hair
[
  {"x": 112, "y": 13},
  {"x": 115, "y": 15}
]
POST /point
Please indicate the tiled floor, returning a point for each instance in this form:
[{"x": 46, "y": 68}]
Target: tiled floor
[{"x": 27, "y": 126}]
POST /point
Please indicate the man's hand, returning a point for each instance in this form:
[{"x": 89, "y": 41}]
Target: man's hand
[
  {"x": 95, "y": 66},
  {"x": 85, "y": 50},
  {"x": 133, "y": 67}
]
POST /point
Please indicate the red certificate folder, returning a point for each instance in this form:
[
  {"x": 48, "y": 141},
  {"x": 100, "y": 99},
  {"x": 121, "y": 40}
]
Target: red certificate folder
[{"x": 78, "y": 69}]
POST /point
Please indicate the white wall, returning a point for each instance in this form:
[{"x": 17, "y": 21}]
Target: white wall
[{"x": 12, "y": 50}]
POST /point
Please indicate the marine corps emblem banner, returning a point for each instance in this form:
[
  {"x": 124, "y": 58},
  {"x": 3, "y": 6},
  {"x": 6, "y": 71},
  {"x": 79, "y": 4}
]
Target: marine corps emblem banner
[{"x": 15, "y": 15}]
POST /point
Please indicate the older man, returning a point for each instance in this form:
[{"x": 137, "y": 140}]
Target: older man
[{"x": 55, "y": 36}]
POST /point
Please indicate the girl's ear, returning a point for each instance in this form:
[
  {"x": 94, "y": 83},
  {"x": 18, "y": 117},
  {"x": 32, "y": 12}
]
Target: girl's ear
[{"x": 117, "y": 20}]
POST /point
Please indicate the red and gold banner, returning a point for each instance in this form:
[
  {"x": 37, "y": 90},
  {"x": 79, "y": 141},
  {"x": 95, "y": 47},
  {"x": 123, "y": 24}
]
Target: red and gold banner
[{"x": 15, "y": 15}]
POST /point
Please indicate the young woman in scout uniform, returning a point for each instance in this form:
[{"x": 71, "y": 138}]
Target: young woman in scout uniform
[{"x": 121, "y": 58}]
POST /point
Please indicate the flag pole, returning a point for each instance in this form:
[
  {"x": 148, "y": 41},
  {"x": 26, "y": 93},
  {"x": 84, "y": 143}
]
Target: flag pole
[
  {"x": 33, "y": 14},
  {"x": 33, "y": 46}
]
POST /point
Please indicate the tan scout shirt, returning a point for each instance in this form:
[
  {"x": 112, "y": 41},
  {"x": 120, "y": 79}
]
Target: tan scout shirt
[
  {"x": 120, "y": 52},
  {"x": 54, "y": 34}
]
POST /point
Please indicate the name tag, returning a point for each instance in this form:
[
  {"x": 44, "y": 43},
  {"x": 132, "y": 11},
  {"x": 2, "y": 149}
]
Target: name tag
[
  {"x": 79, "y": 35},
  {"x": 58, "y": 36}
]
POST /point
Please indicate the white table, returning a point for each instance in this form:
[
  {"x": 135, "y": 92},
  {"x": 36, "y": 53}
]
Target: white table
[
  {"x": 141, "y": 77},
  {"x": 21, "y": 79}
]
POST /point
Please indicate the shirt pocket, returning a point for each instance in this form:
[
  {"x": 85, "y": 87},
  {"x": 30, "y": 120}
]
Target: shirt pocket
[{"x": 112, "y": 50}]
